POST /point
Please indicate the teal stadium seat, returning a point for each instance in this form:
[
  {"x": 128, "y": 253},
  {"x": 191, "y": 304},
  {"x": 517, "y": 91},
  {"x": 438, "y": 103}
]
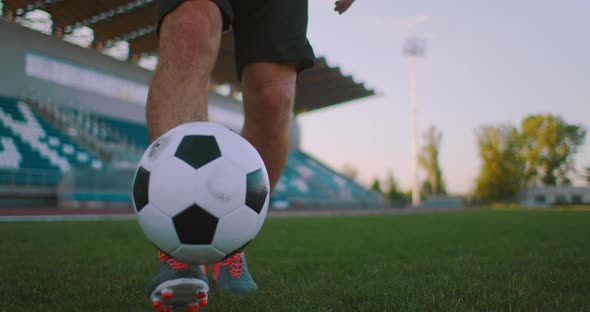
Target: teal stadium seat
[
  {"x": 33, "y": 151},
  {"x": 305, "y": 179},
  {"x": 135, "y": 133},
  {"x": 29, "y": 142}
]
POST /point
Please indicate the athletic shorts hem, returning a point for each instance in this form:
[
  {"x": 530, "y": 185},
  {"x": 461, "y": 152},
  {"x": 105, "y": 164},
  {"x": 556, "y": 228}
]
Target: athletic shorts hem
[
  {"x": 165, "y": 7},
  {"x": 300, "y": 64}
]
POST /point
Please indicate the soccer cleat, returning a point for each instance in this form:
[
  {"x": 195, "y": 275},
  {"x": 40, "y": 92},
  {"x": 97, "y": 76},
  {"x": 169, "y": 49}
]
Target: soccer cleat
[
  {"x": 232, "y": 275},
  {"x": 178, "y": 285}
]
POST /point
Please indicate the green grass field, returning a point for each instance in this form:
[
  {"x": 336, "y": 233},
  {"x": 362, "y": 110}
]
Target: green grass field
[{"x": 481, "y": 260}]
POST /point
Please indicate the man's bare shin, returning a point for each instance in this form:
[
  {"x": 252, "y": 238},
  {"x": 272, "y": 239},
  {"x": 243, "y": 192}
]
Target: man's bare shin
[{"x": 269, "y": 92}]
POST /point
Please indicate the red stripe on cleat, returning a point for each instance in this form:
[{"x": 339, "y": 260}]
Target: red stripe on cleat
[
  {"x": 167, "y": 295},
  {"x": 157, "y": 303},
  {"x": 201, "y": 295},
  {"x": 215, "y": 268},
  {"x": 192, "y": 308},
  {"x": 203, "y": 303}
]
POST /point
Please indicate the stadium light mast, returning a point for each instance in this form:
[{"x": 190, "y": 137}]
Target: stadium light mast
[{"x": 414, "y": 48}]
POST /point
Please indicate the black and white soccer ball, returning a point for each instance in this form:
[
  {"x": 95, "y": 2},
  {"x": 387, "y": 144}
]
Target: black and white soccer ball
[{"x": 201, "y": 193}]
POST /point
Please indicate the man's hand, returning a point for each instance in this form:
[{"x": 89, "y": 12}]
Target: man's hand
[{"x": 342, "y": 5}]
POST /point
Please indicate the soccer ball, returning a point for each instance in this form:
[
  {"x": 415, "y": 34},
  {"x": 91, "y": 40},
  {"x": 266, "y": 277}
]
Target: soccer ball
[{"x": 201, "y": 193}]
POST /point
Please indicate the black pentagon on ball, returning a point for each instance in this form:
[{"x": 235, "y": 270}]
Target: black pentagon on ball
[
  {"x": 198, "y": 150},
  {"x": 141, "y": 185},
  {"x": 256, "y": 190},
  {"x": 195, "y": 226}
]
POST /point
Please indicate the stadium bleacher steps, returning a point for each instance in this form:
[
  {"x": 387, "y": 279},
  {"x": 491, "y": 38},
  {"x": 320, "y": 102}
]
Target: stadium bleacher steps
[
  {"x": 308, "y": 183},
  {"x": 41, "y": 143},
  {"x": 92, "y": 133},
  {"x": 34, "y": 154}
]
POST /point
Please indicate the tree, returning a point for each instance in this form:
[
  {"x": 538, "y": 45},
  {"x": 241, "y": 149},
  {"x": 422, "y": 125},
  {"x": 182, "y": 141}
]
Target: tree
[
  {"x": 350, "y": 171},
  {"x": 428, "y": 160},
  {"x": 376, "y": 186},
  {"x": 548, "y": 145},
  {"x": 426, "y": 189},
  {"x": 500, "y": 176},
  {"x": 392, "y": 191}
]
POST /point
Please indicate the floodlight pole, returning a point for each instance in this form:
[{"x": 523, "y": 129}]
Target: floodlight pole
[
  {"x": 413, "y": 48},
  {"x": 415, "y": 183}
]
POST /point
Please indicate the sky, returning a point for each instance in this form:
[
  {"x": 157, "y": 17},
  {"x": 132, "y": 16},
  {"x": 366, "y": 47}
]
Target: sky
[{"x": 486, "y": 63}]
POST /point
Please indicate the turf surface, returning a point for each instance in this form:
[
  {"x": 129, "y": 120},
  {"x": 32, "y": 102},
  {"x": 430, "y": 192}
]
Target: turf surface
[{"x": 484, "y": 260}]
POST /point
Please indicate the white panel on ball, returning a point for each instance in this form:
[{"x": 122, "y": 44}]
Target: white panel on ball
[
  {"x": 236, "y": 229},
  {"x": 221, "y": 187},
  {"x": 158, "y": 228},
  {"x": 172, "y": 186},
  {"x": 164, "y": 147},
  {"x": 233, "y": 148},
  {"x": 196, "y": 255}
]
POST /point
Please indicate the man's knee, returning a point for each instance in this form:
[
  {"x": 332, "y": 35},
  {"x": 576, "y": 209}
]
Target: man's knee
[
  {"x": 269, "y": 94},
  {"x": 271, "y": 104},
  {"x": 193, "y": 26}
]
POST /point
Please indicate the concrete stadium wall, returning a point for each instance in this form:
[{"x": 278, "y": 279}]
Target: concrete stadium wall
[{"x": 17, "y": 41}]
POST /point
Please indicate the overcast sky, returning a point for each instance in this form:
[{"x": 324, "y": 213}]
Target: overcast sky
[{"x": 487, "y": 62}]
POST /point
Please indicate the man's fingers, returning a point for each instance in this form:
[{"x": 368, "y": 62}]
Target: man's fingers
[{"x": 342, "y": 5}]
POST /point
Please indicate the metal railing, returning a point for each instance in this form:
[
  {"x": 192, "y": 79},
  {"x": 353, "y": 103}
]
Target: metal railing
[
  {"x": 27, "y": 181},
  {"x": 91, "y": 133}
]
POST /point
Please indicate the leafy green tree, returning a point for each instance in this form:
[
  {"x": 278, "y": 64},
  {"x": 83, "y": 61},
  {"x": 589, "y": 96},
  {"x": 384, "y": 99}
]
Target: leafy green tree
[
  {"x": 350, "y": 171},
  {"x": 500, "y": 176},
  {"x": 548, "y": 145},
  {"x": 392, "y": 192},
  {"x": 429, "y": 161},
  {"x": 376, "y": 186},
  {"x": 426, "y": 189}
]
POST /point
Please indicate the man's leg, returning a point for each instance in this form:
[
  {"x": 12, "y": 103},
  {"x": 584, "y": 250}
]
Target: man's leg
[
  {"x": 189, "y": 41},
  {"x": 268, "y": 92}
]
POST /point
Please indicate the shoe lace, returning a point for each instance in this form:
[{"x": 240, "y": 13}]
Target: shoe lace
[
  {"x": 234, "y": 265},
  {"x": 171, "y": 262}
]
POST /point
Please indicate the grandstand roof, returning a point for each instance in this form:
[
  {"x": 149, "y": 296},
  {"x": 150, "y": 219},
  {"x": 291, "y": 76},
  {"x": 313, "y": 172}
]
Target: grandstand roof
[{"x": 134, "y": 21}]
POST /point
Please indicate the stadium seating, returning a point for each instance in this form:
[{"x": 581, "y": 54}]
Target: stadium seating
[
  {"x": 133, "y": 132},
  {"x": 307, "y": 182},
  {"x": 304, "y": 178},
  {"x": 31, "y": 145}
]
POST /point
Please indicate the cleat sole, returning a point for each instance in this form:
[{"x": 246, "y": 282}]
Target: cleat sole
[{"x": 179, "y": 293}]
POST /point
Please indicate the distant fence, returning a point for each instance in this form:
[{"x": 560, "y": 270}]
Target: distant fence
[
  {"x": 95, "y": 188},
  {"x": 25, "y": 179},
  {"x": 328, "y": 203},
  {"x": 28, "y": 187},
  {"x": 112, "y": 188}
]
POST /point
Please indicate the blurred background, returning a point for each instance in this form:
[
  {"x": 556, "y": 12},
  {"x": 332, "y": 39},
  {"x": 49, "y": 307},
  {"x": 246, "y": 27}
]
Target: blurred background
[{"x": 411, "y": 104}]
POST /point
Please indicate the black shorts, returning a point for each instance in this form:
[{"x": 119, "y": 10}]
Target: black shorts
[{"x": 264, "y": 30}]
